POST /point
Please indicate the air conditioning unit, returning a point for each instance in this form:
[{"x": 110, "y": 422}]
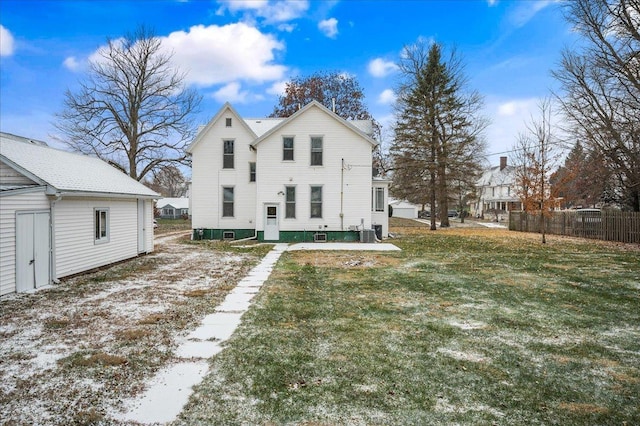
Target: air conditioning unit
[
  {"x": 228, "y": 235},
  {"x": 368, "y": 236},
  {"x": 320, "y": 238}
]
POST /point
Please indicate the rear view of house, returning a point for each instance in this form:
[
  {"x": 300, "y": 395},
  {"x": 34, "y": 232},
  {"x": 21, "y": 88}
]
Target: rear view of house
[
  {"x": 63, "y": 213},
  {"x": 302, "y": 178}
]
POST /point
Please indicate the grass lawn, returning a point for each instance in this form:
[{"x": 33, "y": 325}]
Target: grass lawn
[
  {"x": 171, "y": 225},
  {"x": 466, "y": 326}
]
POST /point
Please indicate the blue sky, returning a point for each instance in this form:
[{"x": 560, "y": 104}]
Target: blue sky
[{"x": 243, "y": 51}]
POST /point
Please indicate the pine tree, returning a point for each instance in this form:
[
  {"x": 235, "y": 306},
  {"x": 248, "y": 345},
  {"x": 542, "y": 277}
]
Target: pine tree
[{"x": 437, "y": 133}]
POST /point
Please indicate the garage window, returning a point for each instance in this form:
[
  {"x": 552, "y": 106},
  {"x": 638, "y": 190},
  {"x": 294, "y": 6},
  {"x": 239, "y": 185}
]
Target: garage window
[{"x": 101, "y": 222}]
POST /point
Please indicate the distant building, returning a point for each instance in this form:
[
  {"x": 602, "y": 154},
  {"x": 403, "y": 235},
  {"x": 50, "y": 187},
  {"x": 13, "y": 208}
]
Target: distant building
[
  {"x": 173, "y": 208},
  {"x": 404, "y": 209},
  {"x": 496, "y": 193}
]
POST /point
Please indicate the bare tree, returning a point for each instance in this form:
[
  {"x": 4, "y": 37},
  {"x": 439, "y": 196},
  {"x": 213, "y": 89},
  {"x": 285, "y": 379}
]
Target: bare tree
[
  {"x": 168, "y": 181},
  {"x": 133, "y": 109},
  {"x": 601, "y": 86},
  {"x": 536, "y": 155}
]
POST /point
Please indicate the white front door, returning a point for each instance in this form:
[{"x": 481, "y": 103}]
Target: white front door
[
  {"x": 33, "y": 249},
  {"x": 271, "y": 225}
]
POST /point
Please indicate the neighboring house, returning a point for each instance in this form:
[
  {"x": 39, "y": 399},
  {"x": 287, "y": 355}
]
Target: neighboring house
[
  {"x": 173, "y": 208},
  {"x": 496, "y": 192},
  {"x": 302, "y": 178},
  {"x": 63, "y": 213},
  {"x": 404, "y": 209}
]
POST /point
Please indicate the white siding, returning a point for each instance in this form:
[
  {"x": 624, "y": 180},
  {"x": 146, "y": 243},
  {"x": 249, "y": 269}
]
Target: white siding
[
  {"x": 382, "y": 218},
  {"x": 75, "y": 248},
  {"x": 339, "y": 143},
  {"x": 208, "y": 177},
  {"x": 8, "y": 206},
  {"x": 9, "y": 176}
]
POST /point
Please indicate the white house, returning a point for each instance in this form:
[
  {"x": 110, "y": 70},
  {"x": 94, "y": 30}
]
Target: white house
[
  {"x": 173, "y": 208},
  {"x": 63, "y": 213},
  {"x": 302, "y": 178},
  {"x": 496, "y": 192}
]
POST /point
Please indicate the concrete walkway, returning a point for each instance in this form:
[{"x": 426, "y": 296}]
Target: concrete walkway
[{"x": 170, "y": 389}]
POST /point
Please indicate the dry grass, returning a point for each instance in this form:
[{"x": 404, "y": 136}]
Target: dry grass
[{"x": 70, "y": 354}]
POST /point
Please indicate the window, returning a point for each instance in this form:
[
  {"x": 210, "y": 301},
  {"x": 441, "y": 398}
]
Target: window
[
  {"x": 252, "y": 172},
  {"x": 101, "y": 217},
  {"x": 316, "y": 151},
  {"x": 378, "y": 199},
  {"x": 287, "y": 148},
  {"x": 290, "y": 202},
  {"x": 316, "y": 201},
  {"x": 227, "y": 122},
  {"x": 227, "y": 157},
  {"x": 227, "y": 201}
]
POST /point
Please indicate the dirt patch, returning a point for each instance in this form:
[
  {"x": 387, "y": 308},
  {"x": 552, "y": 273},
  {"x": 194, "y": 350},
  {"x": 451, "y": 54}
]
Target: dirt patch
[
  {"x": 575, "y": 407},
  {"x": 346, "y": 260},
  {"x": 71, "y": 353}
]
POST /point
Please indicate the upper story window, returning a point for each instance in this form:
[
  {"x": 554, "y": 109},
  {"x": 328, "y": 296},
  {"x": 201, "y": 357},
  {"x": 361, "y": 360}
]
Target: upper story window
[
  {"x": 227, "y": 122},
  {"x": 252, "y": 172},
  {"x": 227, "y": 155},
  {"x": 287, "y": 148},
  {"x": 101, "y": 222},
  {"x": 316, "y": 151}
]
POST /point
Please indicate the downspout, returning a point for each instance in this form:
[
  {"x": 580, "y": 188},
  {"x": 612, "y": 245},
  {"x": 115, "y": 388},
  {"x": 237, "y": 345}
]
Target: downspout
[
  {"x": 342, "y": 195},
  {"x": 255, "y": 237}
]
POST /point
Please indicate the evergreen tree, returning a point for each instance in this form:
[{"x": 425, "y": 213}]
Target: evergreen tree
[{"x": 438, "y": 128}]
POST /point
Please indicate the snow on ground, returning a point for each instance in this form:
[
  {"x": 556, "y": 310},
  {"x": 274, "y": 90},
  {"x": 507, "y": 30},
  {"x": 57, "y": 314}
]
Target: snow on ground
[{"x": 73, "y": 352}]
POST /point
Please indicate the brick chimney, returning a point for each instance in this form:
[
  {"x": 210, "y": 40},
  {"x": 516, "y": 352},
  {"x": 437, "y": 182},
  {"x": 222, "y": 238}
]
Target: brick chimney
[{"x": 503, "y": 163}]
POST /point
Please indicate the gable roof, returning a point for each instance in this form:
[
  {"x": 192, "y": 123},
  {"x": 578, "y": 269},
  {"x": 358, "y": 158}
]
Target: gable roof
[
  {"x": 260, "y": 126},
  {"x": 315, "y": 104},
  {"x": 176, "y": 203},
  {"x": 226, "y": 107},
  {"x": 496, "y": 176},
  {"x": 66, "y": 171}
]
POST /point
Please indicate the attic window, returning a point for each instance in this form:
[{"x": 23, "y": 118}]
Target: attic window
[{"x": 227, "y": 122}]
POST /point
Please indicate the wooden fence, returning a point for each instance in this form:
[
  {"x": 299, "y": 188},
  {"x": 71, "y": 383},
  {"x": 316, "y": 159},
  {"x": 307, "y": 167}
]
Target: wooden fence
[{"x": 609, "y": 225}]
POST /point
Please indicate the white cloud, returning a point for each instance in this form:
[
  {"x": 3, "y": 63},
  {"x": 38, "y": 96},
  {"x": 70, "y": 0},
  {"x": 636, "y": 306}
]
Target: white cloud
[
  {"x": 527, "y": 10},
  {"x": 516, "y": 107},
  {"x": 287, "y": 28},
  {"x": 387, "y": 97},
  {"x": 213, "y": 55},
  {"x": 509, "y": 118},
  {"x": 231, "y": 93},
  {"x": 272, "y": 12},
  {"x": 380, "y": 68},
  {"x": 277, "y": 88},
  {"x": 71, "y": 63},
  {"x": 492, "y": 2},
  {"x": 6, "y": 42},
  {"x": 329, "y": 27}
]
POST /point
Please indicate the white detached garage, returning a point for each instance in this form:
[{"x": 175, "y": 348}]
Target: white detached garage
[{"x": 63, "y": 213}]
